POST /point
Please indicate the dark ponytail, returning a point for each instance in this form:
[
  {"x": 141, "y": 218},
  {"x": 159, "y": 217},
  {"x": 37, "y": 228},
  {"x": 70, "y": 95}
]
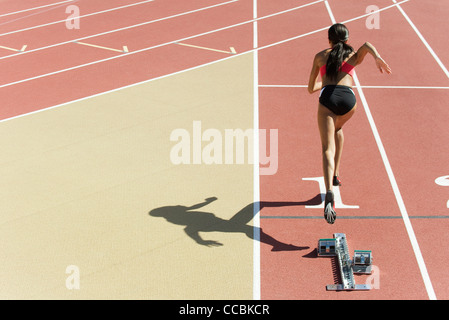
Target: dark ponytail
[{"x": 338, "y": 34}]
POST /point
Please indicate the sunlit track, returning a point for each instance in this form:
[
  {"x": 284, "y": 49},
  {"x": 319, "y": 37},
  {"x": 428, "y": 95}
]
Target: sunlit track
[
  {"x": 115, "y": 90},
  {"x": 88, "y": 127},
  {"x": 220, "y": 29},
  {"x": 80, "y": 17},
  {"x": 425, "y": 276},
  {"x": 122, "y": 29},
  {"x": 36, "y": 8},
  {"x": 434, "y": 55},
  {"x": 393, "y": 182},
  {"x": 188, "y": 38}
]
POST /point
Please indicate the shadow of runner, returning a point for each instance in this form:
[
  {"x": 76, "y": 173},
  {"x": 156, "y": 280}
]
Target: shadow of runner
[{"x": 198, "y": 221}]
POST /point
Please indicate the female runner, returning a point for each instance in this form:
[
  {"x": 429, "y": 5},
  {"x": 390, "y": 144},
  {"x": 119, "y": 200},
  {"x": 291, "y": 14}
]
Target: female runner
[{"x": 337, "y": 102}]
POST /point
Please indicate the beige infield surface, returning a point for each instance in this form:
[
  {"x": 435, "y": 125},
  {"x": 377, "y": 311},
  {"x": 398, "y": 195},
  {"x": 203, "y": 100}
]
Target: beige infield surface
[{"x": 79, "y": 182}]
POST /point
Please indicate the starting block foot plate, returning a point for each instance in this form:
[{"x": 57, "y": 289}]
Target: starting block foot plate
[
  {"x": 340, "y": 287},
  {"x": 362, "y": 269}
]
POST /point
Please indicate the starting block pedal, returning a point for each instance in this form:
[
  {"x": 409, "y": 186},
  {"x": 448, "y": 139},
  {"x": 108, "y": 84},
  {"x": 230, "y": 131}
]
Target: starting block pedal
[
  {"x": 327, "y": 247},
  {"x": 361, "y": 262}
]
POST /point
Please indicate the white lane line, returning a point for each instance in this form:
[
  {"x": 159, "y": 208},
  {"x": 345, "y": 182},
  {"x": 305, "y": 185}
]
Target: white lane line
[
  {"x": 434, "y": 55},
  {"x": 124, "y": 28},
  {"x": 138, "y": 51},
  {"x": 327, "y": 27},
  {"x": 394, "y": 185},
  {"x": 183, "y": 39},
  {"x": 124, "y": 87},
  {"x": 256, "y": 179},
  {"x": 363, "y": 87},
  {"x": 397, "y": 193},
  {"x": 123, "y": 50},
  {"x": 35, "y": 8},
  {"x": 84, "y": 16},
  {"x": 177, "y": 72},
  {"x": 231, "y": 49},
  {"x": 13, "y": 49}
]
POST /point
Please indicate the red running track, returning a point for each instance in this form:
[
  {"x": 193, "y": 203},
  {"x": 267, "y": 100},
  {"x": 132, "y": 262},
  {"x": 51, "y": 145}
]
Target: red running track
[
  {"x": 411, "y": 121},
  {"x": 72, "y": 71},
  {"x": 411, "y": 126}
]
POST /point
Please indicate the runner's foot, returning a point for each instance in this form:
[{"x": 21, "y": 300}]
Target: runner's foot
[
  {"x": 336, "y": 182},
  {"x": 329, "y": 211}
]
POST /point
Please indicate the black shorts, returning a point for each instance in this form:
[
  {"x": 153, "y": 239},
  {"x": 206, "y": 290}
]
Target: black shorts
[{"x": 338, "y": 99}]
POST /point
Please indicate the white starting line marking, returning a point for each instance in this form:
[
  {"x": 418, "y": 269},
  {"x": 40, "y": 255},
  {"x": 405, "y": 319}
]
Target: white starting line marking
[
  {"x": 15, "y": 50},
  {"x": 363, "y": 87},
  {"x": 124, "y": 50},
  {"x": 231, "y": 49}
]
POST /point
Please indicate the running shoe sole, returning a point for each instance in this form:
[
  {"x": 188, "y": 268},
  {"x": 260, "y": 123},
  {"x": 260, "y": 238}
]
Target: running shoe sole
[{"x": 329, "y": 212}]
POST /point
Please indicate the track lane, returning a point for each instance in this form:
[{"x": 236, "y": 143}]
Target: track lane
[
  {"x": 137, "y": 38},
  {"x": 12, "y": 6},
  {"x": 289, "y": 273},
  {"x": 368, "y": 231},
  {"x": 431, "y": 24},
  {"x": 24, "y": 23},
  {"x": 69, "y": 85},
  {"x": 414, "y": 130},
  {"x": 300, "y": 274},
  {"x": 132, "y": 17}
]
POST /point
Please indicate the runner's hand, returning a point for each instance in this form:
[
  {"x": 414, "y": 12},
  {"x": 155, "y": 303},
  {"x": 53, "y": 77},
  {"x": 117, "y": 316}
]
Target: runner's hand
[{"x": 382, "y": 65}]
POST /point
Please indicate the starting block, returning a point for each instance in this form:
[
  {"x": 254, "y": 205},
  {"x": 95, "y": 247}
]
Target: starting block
[
  {"x": 361, "y": 264},
  {"x": 362, "y": 261},
  {"x": 327, "y": 247}
]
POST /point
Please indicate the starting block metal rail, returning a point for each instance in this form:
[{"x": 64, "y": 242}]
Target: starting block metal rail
[{"x": 338, "y": 247}]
